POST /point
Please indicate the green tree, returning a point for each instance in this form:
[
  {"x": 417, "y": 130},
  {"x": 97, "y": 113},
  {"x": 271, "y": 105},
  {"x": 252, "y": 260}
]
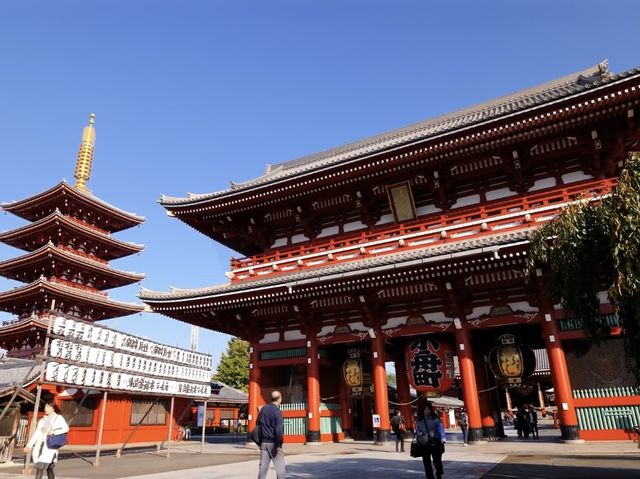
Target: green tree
[
  {"x": 233, "y": 369},
  {"x": 594, "y": 242},
  {"x": 391, "y": 378}
]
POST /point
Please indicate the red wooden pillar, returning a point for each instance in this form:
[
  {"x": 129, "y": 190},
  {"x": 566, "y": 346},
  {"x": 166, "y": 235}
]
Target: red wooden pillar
[
  {"x": 507, "y": 397},
  {"x": 468, "y": 376},
  {"x": 484, "y": 400},
  {"x": 561, "y": 383},
  {"x": 254, "y": 386},
  {"x": 345, "y": 409},
  {"x": 313, "y": 389},
  {"x": 380, "y": 386},
  {"x": 569, "y": 429},
  {"x": 543, "y": 410},
  {"x": 404, "y": 395}
]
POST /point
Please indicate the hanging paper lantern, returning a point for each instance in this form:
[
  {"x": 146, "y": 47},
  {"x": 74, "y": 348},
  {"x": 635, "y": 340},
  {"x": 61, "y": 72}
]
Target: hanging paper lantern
[
  {"x": 429, "y": 365},
  {"x": 511, "y": 361},
  {"x": 356, "y": 371}
]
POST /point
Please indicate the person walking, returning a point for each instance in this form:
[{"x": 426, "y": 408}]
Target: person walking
[
  {"x": 399, "y": 426},
  {"x": 431, "y": 429},
  {"x": 519, "y": 422},
  {"x": 52, "y": 424},
  {"x": 463, "y": 420},
  {"x": 271, "y": 437},
  {"x": 533, "y": 421}
]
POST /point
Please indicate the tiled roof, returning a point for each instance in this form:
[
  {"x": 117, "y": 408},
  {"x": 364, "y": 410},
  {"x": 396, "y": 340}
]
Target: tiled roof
[
  {"x": 51, "y": 251},
  {"x": 42, "y": 285},
  {"x": 12, "y": 237},
  {"x": 575, "y": 83},
  {"x": 20, "y": 207},
  {"x": 13, "y": 372},
  {"x": 397, "y": 260},
  {"x": 220, "y": 392}
]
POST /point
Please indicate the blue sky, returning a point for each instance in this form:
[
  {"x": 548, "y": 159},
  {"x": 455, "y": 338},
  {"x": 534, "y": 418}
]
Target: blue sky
[{"x": 192, "y": 94}]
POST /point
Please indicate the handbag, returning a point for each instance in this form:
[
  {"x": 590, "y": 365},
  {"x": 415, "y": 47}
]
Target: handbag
[
  {"x": 56, "y": 441},
  {"x": 254, "y": 435},
  {"x": 402, "y": 427},
  {"x": 417, "y": 449}
]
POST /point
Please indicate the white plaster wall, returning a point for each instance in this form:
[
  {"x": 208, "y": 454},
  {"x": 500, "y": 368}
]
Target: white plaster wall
[
  {"x": 575, "y": 176},
  {"x": 293, "y": 335},
  {"x": 523, "y": 306},
  {"x": 332, "y": 230},
  {"x": 299, "y": 239},
  {"x": 466, "y": 201},
  {"x": 436, "y": 317},
  {"x": 279, "y": 242},
  {"x": 326, "y": 330},
  {"x": 270, "y": 338},
  {"x": 427, "y": 210},
  {"x": 354, "y": 225},
  {"x": 358, "y": 327},
  {"x": 500, "y": 193},
  {"x": 384, "y": 219},
  {"x": 395, "y": 322},
  {"x": 479, "y": 311},
  {"x": 543, "y": 183}
]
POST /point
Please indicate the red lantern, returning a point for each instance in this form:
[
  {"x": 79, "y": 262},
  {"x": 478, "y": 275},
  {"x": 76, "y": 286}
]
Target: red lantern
[{"x": 429, "y": 365}]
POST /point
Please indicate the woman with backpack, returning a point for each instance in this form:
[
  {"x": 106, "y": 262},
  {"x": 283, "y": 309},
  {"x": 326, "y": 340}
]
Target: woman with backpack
[
  {"x": 46, "y": 455},
  {"x": 430, "y": 435}
]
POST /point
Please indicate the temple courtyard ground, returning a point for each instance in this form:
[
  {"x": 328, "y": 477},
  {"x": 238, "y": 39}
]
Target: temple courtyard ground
[{"x": 225, "y": 458}]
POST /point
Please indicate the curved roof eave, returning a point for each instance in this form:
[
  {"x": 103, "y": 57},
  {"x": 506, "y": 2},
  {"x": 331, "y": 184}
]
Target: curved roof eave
[
  {"x": 64, "y": 186},
  {"x": 521, "y": 101},
  {"x": 397, "y": 260}
]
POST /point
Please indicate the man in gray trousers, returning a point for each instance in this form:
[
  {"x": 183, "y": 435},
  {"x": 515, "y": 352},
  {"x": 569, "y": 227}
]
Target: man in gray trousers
[{"x": 271, "y": 436}]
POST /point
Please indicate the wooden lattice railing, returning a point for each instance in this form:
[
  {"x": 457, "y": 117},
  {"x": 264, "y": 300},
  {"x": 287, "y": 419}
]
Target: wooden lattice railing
[{"x": 469, "y": 222}]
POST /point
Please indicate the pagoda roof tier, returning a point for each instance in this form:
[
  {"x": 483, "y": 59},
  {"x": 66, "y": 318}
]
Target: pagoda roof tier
[
  {"x": 58, "y": 227},
  {"x": 308, "y": 172},
  {"x": 30, "y": 330},
  {"x": 72, "y": 201},
  {"x": 50, "y": 258},
  {"x": 37, "y": 296}
]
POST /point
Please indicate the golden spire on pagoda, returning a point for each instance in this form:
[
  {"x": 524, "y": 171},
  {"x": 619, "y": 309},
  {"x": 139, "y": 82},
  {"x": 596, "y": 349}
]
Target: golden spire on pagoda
[{"x": 85, "y": 156}]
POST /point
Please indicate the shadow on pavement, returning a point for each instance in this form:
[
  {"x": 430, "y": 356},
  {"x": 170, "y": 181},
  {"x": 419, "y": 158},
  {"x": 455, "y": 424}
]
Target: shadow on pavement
[
  {"x": 567, "y": 467},
  {"x": 357, "y": 468}
]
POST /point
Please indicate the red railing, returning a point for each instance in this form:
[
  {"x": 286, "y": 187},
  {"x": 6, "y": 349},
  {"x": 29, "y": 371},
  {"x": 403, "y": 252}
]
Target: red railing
[
  {"x": 83, "y": 254},
  {"x": 79, "y": 286},
  {"x": 86, "y": 225},
  {"x": 497, "y": 215}
]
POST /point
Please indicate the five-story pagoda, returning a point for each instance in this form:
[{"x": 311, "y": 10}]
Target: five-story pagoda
[{"x": 68, "y": 243}]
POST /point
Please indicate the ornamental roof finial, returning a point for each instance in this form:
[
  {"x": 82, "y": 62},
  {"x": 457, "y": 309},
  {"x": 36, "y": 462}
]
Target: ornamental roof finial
[{"x": 85, "y": 156}]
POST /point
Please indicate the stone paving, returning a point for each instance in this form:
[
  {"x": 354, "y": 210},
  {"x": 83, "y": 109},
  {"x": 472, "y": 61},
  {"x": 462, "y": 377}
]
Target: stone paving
[
  {"x": 373, "y": 464},
  {"x": 353, "y": 460}
]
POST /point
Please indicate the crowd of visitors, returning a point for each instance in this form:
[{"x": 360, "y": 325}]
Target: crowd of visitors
[{"x": 526, "y": 422}]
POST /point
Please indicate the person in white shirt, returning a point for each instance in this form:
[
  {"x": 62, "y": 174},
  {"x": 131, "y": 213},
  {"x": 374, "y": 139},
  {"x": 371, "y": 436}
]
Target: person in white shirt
[{"x": 44, "y": 459}]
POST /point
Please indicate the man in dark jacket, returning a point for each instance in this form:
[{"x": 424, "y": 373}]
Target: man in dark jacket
[{"x": 271, "y": 437}]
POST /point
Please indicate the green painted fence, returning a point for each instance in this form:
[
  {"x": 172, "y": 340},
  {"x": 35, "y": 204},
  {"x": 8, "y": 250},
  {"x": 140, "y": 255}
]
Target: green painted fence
[
  {"x": 295, "y": 426},
  {"x": 283, "y": 354},
  {"x": 611, "y": 320},
  {"x": 608, "y": 417},
  {"x": 293, "y": 406},
  {"x": 330, "y": 425},
  {"x": 606, "y": 392}
]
